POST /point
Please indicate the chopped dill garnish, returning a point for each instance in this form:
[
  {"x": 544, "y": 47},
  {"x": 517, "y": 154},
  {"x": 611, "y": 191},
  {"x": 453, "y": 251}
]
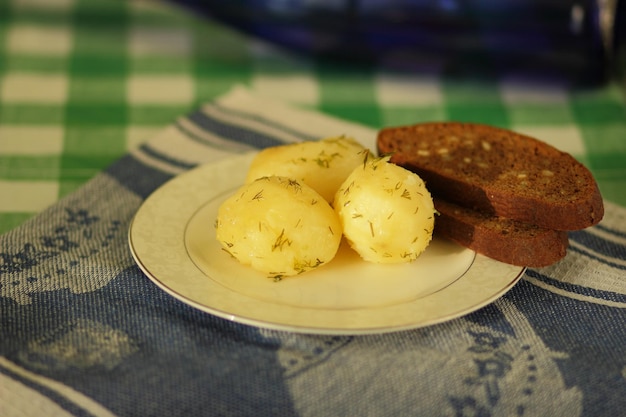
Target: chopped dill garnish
[
  {"x": 366, "y": 152},
  {"x": 258, "y": 196},
  {"x": 295, "y": 184},
  {"x": 376, "y": 162},
  {"x": 322, "y": 163},
  {"x": 347, "y": 190},
  {"x": 323, "y": 160},
  {"x": 281, "y": 241},
  {"x": 301, "y": 266}
]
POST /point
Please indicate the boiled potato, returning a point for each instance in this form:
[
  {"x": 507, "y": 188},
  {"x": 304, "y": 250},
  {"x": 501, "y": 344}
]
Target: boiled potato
[
  {"x": 278, "y": 226},
  {"x": 322, "y": 164},
  {"x": 386, "y": 212}
]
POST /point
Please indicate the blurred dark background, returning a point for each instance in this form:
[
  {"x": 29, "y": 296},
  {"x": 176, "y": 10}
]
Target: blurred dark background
[{"x": 581, "y": 41}]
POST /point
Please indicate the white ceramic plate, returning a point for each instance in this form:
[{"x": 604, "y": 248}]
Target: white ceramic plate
[{"x": 172, "y": 239}]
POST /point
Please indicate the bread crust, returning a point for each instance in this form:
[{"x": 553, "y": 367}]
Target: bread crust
[
  {"x": 499, "y": 238},
  {"x": 498, "y": 172}
]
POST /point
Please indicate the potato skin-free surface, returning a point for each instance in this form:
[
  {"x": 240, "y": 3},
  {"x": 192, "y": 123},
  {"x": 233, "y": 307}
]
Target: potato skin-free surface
[
  {"x": 279, "y": 226},
  {"x": 322, "y": 164},
  {"x": 386, "y": 212}
]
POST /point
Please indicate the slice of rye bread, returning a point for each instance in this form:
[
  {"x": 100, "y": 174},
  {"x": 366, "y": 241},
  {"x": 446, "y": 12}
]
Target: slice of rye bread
[
  {"x": 498, "y": 172},
  {"x": 500, "y": 238}
]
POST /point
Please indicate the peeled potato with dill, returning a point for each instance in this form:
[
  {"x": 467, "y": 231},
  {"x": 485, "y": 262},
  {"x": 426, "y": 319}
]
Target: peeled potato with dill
[
  {"x": 386, "y": 212},
  {"x": 278, "y": 226},
  {"x": 321, "y": 164}
]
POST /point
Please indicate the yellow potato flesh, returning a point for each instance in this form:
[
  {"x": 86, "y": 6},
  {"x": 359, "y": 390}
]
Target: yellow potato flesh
[
  {"x": 322, "y": 164},
  {"x": 386, "y": 212},
  {"x": 278, "y": 226}
]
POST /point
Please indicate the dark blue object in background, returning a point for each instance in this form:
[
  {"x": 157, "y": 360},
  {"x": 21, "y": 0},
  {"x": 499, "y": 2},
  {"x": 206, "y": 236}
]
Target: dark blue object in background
[{"x": 574, "y": 39}]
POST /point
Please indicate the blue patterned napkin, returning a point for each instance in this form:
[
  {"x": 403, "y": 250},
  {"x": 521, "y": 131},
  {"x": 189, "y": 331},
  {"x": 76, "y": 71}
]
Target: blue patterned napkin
[{"x": 84, "y": 333}]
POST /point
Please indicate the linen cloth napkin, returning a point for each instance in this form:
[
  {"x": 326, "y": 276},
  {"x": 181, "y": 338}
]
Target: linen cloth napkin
[{"x": 84, "y": 332}]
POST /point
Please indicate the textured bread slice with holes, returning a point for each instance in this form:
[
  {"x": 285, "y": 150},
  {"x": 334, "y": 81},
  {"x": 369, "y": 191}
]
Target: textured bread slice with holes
[
  {"x": 500, "y": 238},
  {"x": 497, "y": 172}
]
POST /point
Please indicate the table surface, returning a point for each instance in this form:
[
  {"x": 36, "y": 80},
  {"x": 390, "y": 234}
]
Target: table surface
[{"x": 84, "y": 82}]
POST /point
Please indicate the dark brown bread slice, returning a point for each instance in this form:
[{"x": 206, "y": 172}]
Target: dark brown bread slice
[
  {"x": 498, "y": 172},
  {"x": 499, "y": 238}
]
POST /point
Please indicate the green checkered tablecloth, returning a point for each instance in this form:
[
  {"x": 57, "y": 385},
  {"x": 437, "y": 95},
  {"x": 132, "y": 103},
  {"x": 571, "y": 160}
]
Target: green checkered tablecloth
[{"x": 84, "y": 81}]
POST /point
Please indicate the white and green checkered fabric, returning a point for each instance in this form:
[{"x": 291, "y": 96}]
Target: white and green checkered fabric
[{"x": 84, "y": 81}]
